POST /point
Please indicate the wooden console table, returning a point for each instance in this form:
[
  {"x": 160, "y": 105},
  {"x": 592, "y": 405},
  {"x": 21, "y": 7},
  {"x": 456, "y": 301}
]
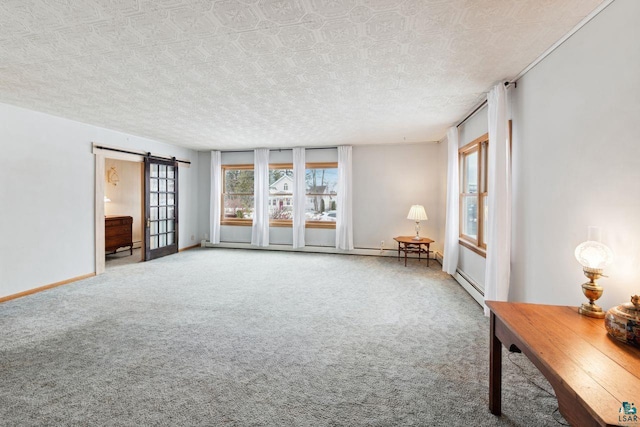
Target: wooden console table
[
  {"x": 591, "y": 373},
  {"x": 408, "y": 245}
]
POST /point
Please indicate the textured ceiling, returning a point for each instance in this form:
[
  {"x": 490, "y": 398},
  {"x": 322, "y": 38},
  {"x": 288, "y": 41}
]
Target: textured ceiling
[{"x": 271, "y": 73}]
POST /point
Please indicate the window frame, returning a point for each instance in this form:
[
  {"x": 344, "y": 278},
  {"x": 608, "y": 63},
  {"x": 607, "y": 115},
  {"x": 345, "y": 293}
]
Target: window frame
[
  {"x": 319, "y": 165},
  {"x": 233, "y": 221},
  {"x": 273, "y": 222},
  {"x": 480, "y": 146},
  {"x": 281, "y": 222}
]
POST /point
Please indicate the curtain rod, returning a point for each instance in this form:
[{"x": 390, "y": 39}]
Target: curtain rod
[
  {"x": 475, "y": 110},
  {"x": 482, "y": 104},
  {"x": 141, "y": 154},
  {"x": 278, "y": 149}
]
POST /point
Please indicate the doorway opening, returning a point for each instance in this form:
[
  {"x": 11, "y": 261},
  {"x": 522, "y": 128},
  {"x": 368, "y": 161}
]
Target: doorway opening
[
  {"x": 124, "y": 212},
  {"x": 148, "y": 204}
]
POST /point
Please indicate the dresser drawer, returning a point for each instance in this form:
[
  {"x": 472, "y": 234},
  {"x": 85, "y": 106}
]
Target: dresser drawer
[
  {"x": 118, "y": 230},
  {"x": 117, "y": 241},
  {"x": 118, "y": 233},
  {"x": 122, "y": 220}
]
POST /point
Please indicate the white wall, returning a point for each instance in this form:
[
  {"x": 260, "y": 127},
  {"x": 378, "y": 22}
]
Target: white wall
[
  {"x": 476, "y": 126},
  {"x": 576, "y": 161},
  {"x": 126, "y": 195},
  {"x": 47, "y": 197},
  {"x": 387, "y": 180}
]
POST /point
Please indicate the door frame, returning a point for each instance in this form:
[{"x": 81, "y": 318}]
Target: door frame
[{"x": 102, "y": 152}]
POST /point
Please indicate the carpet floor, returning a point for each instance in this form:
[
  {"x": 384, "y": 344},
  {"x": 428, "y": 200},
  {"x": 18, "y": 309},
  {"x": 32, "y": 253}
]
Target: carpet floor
[
  {"x": 122, "y": 258},
  {"x": 223, "y": 337}
]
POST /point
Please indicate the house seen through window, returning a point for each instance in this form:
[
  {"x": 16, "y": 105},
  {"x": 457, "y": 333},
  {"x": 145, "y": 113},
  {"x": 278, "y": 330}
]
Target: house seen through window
[{"x": 321, "y": 182}]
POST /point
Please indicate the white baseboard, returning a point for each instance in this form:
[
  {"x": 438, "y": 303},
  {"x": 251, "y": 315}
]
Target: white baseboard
[
  {"x": 466, "y": 282},
  {"x": 311, "y": 249},
  {"x": 471, "y": 287}
]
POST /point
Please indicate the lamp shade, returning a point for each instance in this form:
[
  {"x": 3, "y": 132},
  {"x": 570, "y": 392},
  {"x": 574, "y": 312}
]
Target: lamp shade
[
  {"x": 417, "y": 213},
  {"x": 592, "y": 254}
]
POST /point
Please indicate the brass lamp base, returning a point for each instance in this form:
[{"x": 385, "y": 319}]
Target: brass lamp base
[
  {"x": 594, "y": 310},
  {"x": 593, "y": 292}
]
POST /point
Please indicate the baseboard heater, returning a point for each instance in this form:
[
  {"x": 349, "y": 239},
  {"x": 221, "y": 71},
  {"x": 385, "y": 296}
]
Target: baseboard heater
[
  {"x": 312, "y": 249},
  {"x": 470, "y": 285}
]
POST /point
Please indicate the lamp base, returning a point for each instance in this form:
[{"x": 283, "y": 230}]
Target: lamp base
[
  {"x": 417, "y": 236},
  {"x": 593, "y": 292},
  {"x": 591, "y": 310}
]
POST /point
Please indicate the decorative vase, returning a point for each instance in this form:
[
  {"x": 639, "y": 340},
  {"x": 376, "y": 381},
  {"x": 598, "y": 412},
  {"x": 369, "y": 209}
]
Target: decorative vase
[{"x": 623, "y": 322}]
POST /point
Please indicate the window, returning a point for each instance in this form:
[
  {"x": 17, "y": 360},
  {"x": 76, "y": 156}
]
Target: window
[
  {"x": 237, "y": 194},
  {"x": 321, "y": 182},
  {"x": 321, "y": 188},
  {"x": 473, "y": 194},
  {"x": 280, "y": 197}
]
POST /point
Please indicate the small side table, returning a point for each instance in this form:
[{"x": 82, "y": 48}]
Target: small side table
[{"x": 408, "y": 245}]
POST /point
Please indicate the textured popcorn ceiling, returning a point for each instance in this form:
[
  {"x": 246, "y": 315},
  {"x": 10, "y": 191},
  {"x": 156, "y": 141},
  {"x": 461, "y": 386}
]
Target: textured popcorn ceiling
[{"x": 271, "y": 73}]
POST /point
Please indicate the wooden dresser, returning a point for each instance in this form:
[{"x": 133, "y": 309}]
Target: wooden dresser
[{"x": 118, "y": 233}]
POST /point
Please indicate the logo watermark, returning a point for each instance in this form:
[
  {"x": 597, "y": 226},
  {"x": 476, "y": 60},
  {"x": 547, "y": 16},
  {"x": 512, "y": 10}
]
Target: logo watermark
[{"x": 628, "y": 414}]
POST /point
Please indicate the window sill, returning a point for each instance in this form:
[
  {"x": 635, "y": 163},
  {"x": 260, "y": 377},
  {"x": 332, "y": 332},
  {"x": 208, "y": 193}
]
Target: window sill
[
  {"x": 279, "y": 223},
  {"x": 320, "y": 224},
  {"x": 240, "y": 222},
  {"x": 473, "y": 248},
  {"x": 308, "y": 224}
]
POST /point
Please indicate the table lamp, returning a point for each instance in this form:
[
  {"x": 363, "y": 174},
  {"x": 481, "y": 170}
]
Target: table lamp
[
  {"x": 594, "y": 257},
  {"x": 417, "y": 214}
]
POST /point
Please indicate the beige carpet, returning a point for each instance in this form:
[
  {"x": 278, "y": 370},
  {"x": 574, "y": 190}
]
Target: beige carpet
[{"x": 254, "y": 338}]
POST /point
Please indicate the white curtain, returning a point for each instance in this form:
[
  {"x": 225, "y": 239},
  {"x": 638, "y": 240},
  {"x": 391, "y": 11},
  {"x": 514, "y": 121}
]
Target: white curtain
[
  {"x": 299, "y": 196},
  {"x": 452, "y": 224},
  {"x": 498, "y": 233},
  {"x": 260, "y": 228},
  {"x": 344, "y": 214},
  {"x": 216, "y": 196}
]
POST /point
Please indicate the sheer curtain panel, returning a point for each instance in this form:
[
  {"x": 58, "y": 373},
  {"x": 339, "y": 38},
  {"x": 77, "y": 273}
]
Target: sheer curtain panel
[
  {"x": 260, "y": 228},
  {"x": 498, "y": 233},
  {"x": 452, "y": 225},
  {"x": 299, "y": 196},
  {"x": 216, "y": 196},
  {"x": 344, "y": 214}
]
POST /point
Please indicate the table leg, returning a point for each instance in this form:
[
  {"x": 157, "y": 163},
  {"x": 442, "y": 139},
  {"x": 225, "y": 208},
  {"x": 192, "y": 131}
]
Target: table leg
[
  {"x": 398, "y": 251},
  {"x": 427, "y": 254},
  {"x": 495, "y": 370},
  {"x": 406, "y": 249}
]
